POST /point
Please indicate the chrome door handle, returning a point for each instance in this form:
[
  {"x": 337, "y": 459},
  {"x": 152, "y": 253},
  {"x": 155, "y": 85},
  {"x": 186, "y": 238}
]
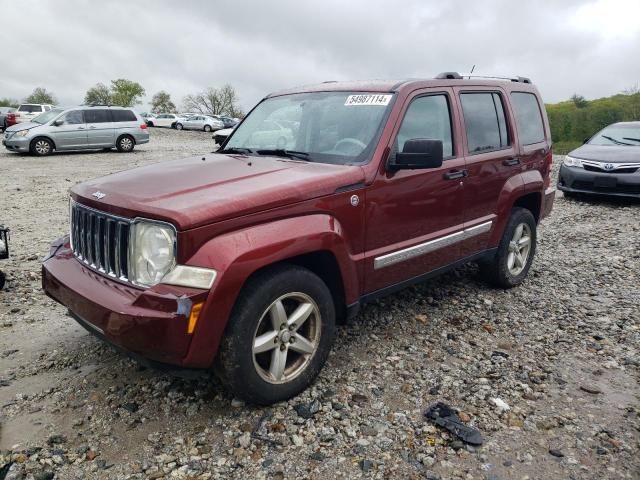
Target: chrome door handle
[
  {"x": 92, "y": 127},
  {"x": 80, "y": 128},
  {"x": 510, "y": 162},
  {"x": 454, "y": 174}
]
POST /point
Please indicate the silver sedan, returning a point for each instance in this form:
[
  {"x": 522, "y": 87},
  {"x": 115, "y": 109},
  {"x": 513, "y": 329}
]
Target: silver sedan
[{"x": 200, "y": 122}]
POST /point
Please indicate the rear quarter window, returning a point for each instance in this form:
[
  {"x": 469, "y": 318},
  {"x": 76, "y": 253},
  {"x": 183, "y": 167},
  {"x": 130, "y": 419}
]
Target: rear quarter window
[
  {"x": 123, "y": 116},
  {"x": 528, "y": 117}
]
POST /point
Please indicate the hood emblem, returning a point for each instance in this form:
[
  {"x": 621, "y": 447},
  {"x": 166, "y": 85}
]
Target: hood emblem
[
  {"x": 99, "y": 195},
  {"x": 608, "y": 166}
]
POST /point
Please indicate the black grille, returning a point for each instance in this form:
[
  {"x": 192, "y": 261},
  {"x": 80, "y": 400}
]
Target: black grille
[
  {"x": 100, "y": 240},
  {"x": 592, "y": 168}
]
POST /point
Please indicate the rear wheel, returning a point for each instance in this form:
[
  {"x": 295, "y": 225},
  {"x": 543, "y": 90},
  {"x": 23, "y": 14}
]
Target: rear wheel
[
  {"x": 207, "y": 128},
  {"x": 41, "y": 147},
  {"x": 179, "y": 126},
  {"x": 278, "y": 337},
  {"x": 149, "y": 124},
  {"x": 2, "y": 280},
  {"x": 512, "y": 261},
  {"x": 125, "y": 144}
]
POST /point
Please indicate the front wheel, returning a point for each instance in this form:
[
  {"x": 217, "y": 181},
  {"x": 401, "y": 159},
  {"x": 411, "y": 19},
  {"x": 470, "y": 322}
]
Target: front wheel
[
  {"x": 207, "y": 128},
  {"x": 278, "y": 336},
  {"x": 179, "y": 126},
  {"x": 516, "y": 250},
  {"x": 41, "y": 147}
]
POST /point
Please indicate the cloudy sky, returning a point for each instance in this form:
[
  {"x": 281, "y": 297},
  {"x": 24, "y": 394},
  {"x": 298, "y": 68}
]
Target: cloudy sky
[{"x": 566, "y": 46}]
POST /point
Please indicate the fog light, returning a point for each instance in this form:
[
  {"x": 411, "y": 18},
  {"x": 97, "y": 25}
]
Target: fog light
[{"x": 193, "y": 318}]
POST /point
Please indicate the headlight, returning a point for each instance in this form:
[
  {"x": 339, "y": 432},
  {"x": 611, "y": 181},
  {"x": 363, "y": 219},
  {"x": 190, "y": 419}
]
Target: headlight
[
  {"x": 572, "y": 161},
  {"x": 152, "y": 251},
  {"x": 22, "y": 133}
]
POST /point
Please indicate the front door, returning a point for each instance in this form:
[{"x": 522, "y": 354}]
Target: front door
[
  {"x": 72, "y": 133},
  {"x": 415, "y": 217},
  {"x": 100, "y": 128}
]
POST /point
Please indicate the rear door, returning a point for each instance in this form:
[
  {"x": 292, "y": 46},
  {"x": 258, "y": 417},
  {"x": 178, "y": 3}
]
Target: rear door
[
  {"x": 72, "y": 134},
  {"x": 100, "y": 127},
  {"x": 491, "y": 158}
]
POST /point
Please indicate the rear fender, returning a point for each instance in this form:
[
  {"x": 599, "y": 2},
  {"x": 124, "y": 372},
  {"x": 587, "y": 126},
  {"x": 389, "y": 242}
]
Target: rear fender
[
  {"x": 237, "y": 255},
  {"x": 511, "y": 190}
]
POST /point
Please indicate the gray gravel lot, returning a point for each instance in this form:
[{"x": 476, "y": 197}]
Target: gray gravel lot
[{"x": 561, "y": 351}]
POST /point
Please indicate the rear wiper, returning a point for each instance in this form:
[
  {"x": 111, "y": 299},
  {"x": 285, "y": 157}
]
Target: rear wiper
[
  {"x": 280, "y": 152},
  {"x": 236, "y": 150},
  {"x": 615, "y": 140}
]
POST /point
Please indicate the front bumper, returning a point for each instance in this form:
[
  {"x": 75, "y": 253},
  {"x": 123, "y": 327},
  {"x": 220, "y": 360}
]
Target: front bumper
[
  {"x": 150, "y": 323},
  {"x": 17, "y": 144},
  {"x": 579, "y": 180}
]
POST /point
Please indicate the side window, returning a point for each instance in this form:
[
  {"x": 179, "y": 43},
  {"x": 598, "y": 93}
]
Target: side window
[
  {"x": 123, "y": 116},
  {"x": 484, "y": 122},
  {"x": 528, "y": 117},
  {"x": 97, "y": 116},
  {"x": 427, "y": 117},
  {"x": 73, "y": 118}
]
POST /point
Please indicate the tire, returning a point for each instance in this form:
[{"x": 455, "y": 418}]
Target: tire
[
  {"x": 497, "y": 270},
  {"x": 2, "y": 280},
  {"x": 125, "y": 144},
  {"x": 207, "y": 128},
  {"x": 179, "y": 126},
  {"x": 41, "y": 146},
  {"x": 282, "y": 290},
  {"x": 149, "y": 124}
]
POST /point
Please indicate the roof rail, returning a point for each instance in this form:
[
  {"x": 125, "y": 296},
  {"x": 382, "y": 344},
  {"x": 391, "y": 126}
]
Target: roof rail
[{"x": 458, "y": 76}]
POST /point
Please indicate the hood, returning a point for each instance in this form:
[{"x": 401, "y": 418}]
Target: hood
[
  {"x": 201, "y": 190},
  {"x": 22, "y": 126},
  {"x": 607, "y": 153}
]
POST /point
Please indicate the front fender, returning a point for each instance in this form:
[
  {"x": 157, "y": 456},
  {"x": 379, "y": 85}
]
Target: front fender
[{"x": 236, "y": 255}]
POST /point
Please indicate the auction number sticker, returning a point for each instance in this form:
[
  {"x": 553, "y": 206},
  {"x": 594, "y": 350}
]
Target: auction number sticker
[{"x": 368, "y": 100}]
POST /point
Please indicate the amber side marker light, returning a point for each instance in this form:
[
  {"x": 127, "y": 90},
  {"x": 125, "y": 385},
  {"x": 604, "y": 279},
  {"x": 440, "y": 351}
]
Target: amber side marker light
[{"x": 193, "y": 318}]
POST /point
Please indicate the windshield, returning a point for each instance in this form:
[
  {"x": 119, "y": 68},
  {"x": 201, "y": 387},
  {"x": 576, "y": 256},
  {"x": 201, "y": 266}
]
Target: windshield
[
  {"x": 47, "y": 116},
  {"x": 327, "y": 127},
  {"x": 617, "y": 135}
]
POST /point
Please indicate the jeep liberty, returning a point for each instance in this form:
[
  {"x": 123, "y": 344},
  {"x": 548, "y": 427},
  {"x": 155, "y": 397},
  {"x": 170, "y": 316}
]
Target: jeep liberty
[{"x": 323, "y": 198}]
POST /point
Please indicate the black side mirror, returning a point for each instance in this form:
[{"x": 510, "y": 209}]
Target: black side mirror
[
  {"x": 586, "y": 140},
  {"x": 418, "y": 153},
  {"x": 57, "y": 123}
]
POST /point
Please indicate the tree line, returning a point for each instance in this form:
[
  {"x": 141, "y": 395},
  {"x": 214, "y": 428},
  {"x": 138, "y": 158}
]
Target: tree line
[{"x": 127, "y": 93}]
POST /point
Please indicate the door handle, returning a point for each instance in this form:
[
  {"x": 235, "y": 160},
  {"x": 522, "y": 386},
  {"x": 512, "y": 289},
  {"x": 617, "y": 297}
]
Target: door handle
[
  {"x": 92, "y": 127},
  {"x": 452, "y": 175},
  {"x": 80, "y": 128},
  {"x": 510, "y": 162}
]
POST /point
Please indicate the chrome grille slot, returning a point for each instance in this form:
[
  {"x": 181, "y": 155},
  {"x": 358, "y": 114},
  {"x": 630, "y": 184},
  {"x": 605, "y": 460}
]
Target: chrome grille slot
[{"x": 100, "y": 240}]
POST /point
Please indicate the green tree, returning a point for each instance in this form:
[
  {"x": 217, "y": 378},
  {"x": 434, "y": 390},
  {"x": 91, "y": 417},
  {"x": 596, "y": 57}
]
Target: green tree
[
  {"x": 40, "y": 95},
  {"x": 161, "y": 103},
  {"x": 214, "y": 101},
  {"x": 98, "y": 95},
  {"x": 126, "y": 93},
  {"x": 579, "y": 101},
  {"x": 9, "y": 102}
]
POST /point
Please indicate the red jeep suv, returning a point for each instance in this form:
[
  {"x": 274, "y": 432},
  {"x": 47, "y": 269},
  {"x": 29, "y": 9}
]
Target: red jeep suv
[{"x": 323, "y": 198}]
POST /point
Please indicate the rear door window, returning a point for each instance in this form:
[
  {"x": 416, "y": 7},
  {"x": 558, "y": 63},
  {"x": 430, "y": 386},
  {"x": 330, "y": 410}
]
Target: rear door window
[
  {"x": 528, "y": 117},
  {"x": 484, "y": 121},
  {"x": 97, "y": 116},
  {"x": 427, "y": 117},
  {"x": 123, "y": 116}
]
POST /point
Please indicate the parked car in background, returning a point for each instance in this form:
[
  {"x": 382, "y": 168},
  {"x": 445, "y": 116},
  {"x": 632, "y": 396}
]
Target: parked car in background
[
  {"x": 28, "y": 111},
  {"x": 4, "y": 114},
  {"x": 200, "y": 122},
  {"x": 245, "y": 259},
  {"x": 166, "y": 120},
  {"x": 607, "y": 164},
  {"x": 78, "y": 128},
  {"x": 150, "y": 118},
  {"x": 227, "y": 121},
  {"x": 221, "y": 135}
]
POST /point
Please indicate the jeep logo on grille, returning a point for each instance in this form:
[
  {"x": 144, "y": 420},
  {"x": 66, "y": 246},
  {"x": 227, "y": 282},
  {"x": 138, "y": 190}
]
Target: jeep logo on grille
[
  {"x": 99, "y": 195},
  {"x": 608, "y": 166}
]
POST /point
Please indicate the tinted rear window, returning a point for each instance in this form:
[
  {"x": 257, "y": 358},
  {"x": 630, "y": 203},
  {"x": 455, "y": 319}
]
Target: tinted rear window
[
  {"x": 97, "y": 116},
  {"x": 30, "y": 108},
  {"x": 528, "y": 118},
  {"x": 484, "y": 121},
  {"x": 123, "y": 116}
]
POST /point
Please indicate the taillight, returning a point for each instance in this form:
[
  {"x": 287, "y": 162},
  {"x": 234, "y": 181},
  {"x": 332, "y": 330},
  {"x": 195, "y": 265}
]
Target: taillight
[
  {"x": 11, "y": 119},
  {"x": 143, "y": 126},
  {"x": 548, "y": 164}
]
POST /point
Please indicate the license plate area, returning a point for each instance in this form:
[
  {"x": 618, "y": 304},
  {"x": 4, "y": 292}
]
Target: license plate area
[{"x": 605, "y": 182}]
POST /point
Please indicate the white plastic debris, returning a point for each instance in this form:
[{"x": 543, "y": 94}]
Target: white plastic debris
[{"x": 500, "y": 404}]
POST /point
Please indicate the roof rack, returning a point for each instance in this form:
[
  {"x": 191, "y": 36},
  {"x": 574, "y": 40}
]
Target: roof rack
[{"x": 457, "y": 76}]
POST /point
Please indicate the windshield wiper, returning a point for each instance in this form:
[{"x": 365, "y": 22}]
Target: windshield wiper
[
  {"x": 236, "y": 150},
  {"x": 615, "y": 140},
  {"x": 280, "y": 152},
  {"x": 631, "y": 138}
]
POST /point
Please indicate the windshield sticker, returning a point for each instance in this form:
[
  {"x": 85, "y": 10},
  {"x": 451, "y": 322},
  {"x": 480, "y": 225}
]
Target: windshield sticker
[{"x": 380, "y": 100}]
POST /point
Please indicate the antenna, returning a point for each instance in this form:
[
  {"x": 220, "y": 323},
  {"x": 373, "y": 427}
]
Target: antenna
[{"x": 472, "y": 69}]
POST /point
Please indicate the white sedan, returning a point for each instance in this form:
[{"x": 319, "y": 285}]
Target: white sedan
[{"x": 165, "y": 120}]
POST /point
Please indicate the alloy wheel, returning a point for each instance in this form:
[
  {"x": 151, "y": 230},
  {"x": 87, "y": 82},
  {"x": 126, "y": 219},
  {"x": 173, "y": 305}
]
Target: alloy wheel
[
  {"x": 126, "y": 144},
  {"x": 42, "y": 147},
  {"x": 286, "y": 338},
  {"x": 519, "y": 249}
]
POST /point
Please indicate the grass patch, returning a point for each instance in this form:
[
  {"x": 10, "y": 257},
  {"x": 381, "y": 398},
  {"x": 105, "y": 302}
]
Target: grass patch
[{"x": 562, "y": 148}]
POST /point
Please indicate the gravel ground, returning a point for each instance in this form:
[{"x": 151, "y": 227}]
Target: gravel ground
[{"x": 561, "y": 352}]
